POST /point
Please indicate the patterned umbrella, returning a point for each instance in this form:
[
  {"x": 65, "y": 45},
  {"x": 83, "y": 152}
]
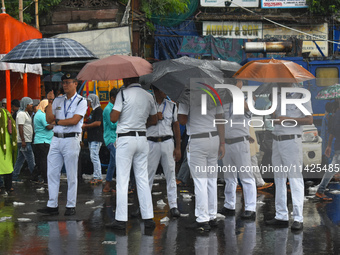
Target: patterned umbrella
[
  {"x": 330, "y": 92},
  {"x": 48, "y": 50}
]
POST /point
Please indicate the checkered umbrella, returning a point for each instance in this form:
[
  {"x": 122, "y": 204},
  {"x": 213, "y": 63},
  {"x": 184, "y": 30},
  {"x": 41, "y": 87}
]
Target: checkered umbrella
[{"x": 48, "y": 50}]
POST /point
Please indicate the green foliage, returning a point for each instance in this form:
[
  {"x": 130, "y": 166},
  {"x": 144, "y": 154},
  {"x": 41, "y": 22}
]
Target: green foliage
[
  {"x": 324, "y": 7},
  {"x": 45, "y": 7}
]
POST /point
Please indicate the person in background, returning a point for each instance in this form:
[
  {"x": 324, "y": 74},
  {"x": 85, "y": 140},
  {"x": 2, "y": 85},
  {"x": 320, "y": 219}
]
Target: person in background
[
  {"x": 94, "y": 129},
  {"x": 110, "y": 139},
  {"x": 25, "y": 135},
  {"x": 8, "y": 143},
  {"x": 15, "y": 105},
  {"x": 67, "y": 112},
  {"x": 42, "y": 140},
  {"x": 287, "y": 152},
  {"x": 4, "y": 103},
  {"x": 162, "y": 150},
  {"x": 134, "y": 109},
  {"x": 333, "y": 168},
  {"x": 327, "y": 122}
]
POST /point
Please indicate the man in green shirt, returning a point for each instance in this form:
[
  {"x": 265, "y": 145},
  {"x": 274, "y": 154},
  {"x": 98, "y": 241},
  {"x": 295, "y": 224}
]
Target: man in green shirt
[{"x": 110, "y": 138}]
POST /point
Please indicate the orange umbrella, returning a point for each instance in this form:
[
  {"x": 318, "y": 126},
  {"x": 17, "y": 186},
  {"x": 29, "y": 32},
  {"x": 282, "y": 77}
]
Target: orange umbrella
[
  {"x": 115, "y": 67},
  {"x": 273, "y": 70}
]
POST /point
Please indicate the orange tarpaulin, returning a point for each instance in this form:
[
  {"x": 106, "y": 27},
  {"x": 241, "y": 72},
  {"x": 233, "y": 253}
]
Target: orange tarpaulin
[{"x": 12, "y": 33}]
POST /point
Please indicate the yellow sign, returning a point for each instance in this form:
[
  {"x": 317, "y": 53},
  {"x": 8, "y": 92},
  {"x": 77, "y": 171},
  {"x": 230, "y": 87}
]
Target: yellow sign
[{"x": 246, "y": 30}]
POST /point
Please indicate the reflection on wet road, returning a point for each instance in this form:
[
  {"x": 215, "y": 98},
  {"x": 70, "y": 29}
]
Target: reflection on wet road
[{"x": 23, "y": 231}]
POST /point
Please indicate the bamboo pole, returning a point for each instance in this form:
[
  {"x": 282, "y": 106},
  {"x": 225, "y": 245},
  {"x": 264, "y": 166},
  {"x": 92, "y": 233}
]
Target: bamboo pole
[
  {"x": 3, "y": 8},
  {"x": 21, "y": 12},
  {"x": 36, "y": 14}
]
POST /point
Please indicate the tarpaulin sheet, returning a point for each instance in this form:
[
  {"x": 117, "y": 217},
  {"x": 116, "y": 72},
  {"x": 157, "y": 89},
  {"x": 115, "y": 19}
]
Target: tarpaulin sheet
[
  {"x": 14, "y": 32},
  {"x": 168, "y": 39}
]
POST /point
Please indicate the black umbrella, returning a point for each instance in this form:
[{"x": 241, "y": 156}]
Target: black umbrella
[
  {"x": 185, "y": 79},
  {"x": 48, "y": 50},
  {"x": 229, "y": 68}
]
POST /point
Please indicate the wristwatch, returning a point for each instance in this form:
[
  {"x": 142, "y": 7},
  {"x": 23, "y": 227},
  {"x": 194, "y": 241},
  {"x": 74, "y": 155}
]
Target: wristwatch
[{"x": 56, "y": 121}]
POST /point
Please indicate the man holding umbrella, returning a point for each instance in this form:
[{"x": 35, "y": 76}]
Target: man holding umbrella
[
  {"x": 134, "y": 109},
  {"x": 287, "y": 154},
  {"x": 67, "y": 112}
]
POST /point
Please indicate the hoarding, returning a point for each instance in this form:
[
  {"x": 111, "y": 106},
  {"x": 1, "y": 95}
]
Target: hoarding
[
  {"x": 233, "y": 29},
  {"x": 283, "y": 4},
  {"x": 321, "y": 31},
  {"x": 221, "y": 3}
]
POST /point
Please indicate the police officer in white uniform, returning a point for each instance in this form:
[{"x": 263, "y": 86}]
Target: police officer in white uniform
[
  {"x": 287, "y": 157},
  {"x": 134, "y": 109},
  {"x": 161, "y": 146},
  {"x": 67, "y": 112},
  {"x": 237, "y": 161},
  {"x": 205, "y": 146}
]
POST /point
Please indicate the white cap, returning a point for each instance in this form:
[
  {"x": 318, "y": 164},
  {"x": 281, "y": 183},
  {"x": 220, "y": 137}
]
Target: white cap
[{"x": 4, "y": 101}]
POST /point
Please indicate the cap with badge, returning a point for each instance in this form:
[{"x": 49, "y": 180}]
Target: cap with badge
[{"x": 67, "y": 76}]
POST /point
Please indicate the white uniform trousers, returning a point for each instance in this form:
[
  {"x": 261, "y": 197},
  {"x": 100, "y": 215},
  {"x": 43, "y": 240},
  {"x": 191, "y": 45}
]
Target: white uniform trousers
[
  {"x": 63, "y": 151},
  {"x": 287, "y": 157},
  {"x": 163, "y": 152},
  {"x": 132, "y": 150},
  {"x": 238, "y": 162},
  {"x": 203, "y": 152}
]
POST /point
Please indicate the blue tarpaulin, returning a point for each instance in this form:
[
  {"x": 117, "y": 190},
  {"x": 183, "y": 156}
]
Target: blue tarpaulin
[{"x": 168, "y": 40}]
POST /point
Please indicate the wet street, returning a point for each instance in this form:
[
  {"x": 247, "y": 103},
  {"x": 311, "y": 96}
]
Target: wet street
[{"x": 23, "y": 231}]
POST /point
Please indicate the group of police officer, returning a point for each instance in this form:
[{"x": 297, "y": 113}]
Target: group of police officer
[{"x": 147, "y": 127}]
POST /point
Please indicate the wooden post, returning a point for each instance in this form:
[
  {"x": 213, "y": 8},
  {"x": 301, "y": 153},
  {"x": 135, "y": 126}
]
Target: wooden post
[
  {"x": 3, "y": 8},
  {"x": 21, "y": 12},
  {"x": 24, "y": 82},
  {"x": 8, "y": 89},
  {"x": 36, "y": 15}
]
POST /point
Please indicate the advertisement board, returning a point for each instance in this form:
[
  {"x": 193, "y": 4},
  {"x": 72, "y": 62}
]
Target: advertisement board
[
  {"x": 283, "y": 4},
  {"x": 222, "y": 3},
  {"x": 321, "y": 31},
  {"x": 233, "y": 29}
]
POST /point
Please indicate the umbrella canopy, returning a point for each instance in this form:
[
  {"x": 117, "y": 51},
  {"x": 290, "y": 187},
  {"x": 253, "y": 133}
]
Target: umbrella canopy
[
  {"x": 54, "y": 78},
  {"x": 48, "y": 50},
  {"x": 229, "y": 68},
  {"x": 115, "y": 67},
  {"x": 331, "y": 92},
  {"x": 174, "y": 78},
  {"x": 272, "y": 70}
]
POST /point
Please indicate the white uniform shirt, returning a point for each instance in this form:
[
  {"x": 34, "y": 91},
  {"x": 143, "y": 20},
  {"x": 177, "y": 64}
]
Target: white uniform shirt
[
  {"x": 23, "y": 118},
  {"x": 198, "y": 123},
  {"x": 237, "y": 125},
  {"x": 292, "y": 111},
  {"x": 64, "y": 108},
  {"x": 135, "y": 109},
  {"x": 164, "y": 127}
]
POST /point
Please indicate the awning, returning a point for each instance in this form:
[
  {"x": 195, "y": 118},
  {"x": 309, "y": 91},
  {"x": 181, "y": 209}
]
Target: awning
[{"x": 20, "y": 68}]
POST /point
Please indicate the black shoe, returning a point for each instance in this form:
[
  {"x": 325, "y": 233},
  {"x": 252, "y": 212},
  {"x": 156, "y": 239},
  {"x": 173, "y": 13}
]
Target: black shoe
[
  {"x": 49, "y": 211},
  {"x": 70, "y": 211},
  {"x": 116, "y": 224},
  {"x": 174, "y": 212},
  {"x": 200, "y": 226},
  {"x": 248, "y": 215},
  {"x": 136, "y": 213},
  {"x": 297, "y": 225},
  {"x": 213, "y": 223},
  {"x": 278, "y": 223},
  {"x": 149, "y": 223},
  {"x": 227, "y": 212}
]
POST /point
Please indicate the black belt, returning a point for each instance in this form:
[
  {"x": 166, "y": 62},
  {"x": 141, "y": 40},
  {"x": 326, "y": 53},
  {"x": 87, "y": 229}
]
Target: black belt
[
  {"x": 132, "y": 133},
  {"x": 236, "y": 140},
  {"x": 285, "y": 137},
  {"x": 204, "y": 135},
  {"x": 159, "y": 139},
  {"x": 65, "y": 135}
]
